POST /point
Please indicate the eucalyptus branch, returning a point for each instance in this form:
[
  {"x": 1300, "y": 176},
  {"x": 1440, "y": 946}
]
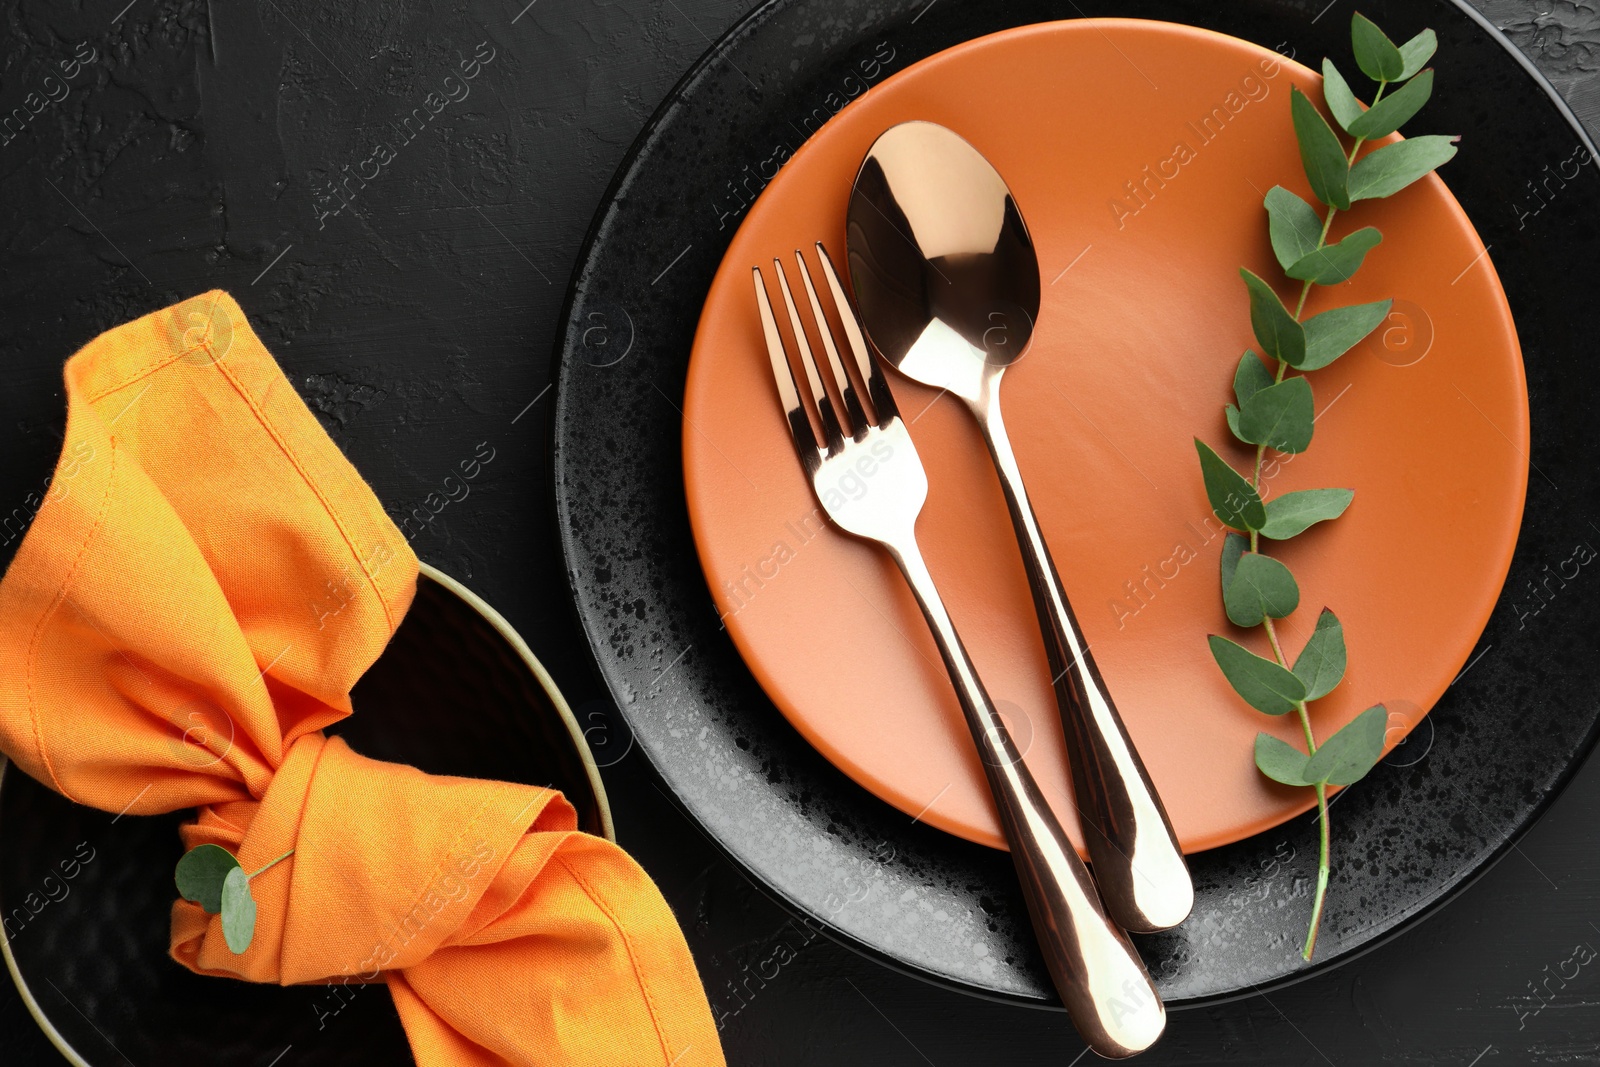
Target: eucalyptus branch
[
  {"x": 1275, "y": 411},
  {"x": 210, "y": 876}
]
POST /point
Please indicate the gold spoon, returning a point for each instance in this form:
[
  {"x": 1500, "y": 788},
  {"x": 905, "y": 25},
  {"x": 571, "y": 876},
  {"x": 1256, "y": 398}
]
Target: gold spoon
[{"x": 947, "y": 283}]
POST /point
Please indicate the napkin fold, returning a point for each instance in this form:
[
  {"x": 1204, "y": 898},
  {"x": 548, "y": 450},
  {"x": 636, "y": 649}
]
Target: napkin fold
[{"x": 167, "y": 642}]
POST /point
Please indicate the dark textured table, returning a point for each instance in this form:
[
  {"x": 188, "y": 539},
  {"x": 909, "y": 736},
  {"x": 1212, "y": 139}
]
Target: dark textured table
[{"x": 173, "y": 147}]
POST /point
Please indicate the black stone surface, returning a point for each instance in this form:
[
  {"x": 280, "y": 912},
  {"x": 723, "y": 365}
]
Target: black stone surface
[{"x": 198, "y": 145}]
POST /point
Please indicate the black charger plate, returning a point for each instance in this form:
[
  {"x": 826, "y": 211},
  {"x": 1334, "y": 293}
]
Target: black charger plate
[{"x": 1471, "y": 779}]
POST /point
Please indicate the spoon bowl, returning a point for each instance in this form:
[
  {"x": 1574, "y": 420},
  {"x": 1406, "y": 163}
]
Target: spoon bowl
[{"x": 943, "y": 267}]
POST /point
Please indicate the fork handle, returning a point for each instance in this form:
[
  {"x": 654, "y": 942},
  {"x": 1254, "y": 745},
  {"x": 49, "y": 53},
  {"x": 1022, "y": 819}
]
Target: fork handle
[
  {"x": 1100, "y": 978},
  {"x": 1137, "y": 862}
]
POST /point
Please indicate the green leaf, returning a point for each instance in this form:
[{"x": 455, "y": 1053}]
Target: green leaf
[
  {"x": 1232, "y": 415},
  {"x": 1293, "y": 225},
  {"x": 1320, "y": 151},
  {"x": 1335, "y": 263},
  {"x": 1321, "y": 663},
  {"x": 1336, "y": 91},
  {"x": 1251, "y": 377},
  {"x": 1333, "y": 333},
  {"x": 1234, "y": 500},
  {"x": 1376, "y": 55},
  {"x": 1393, "y": 167},
  {"x": 1279, "y": 334},
  {"x": 1347, "y": 756},
  {"x": 1416, "y": 52},
  {"x": 1261, "y": 587},
  {"x": 1393, "y": 111},
  {"x": 1233, "y": 546},
  {"x": 200, "y": 875},
  {"x": 1290, "y": 514},
  {"x": 1281, "y": 761},
  {"x": 238, "y": 911},
  {"x": 1279, "y": 416},
  {"x": 1263, "y": 684}
]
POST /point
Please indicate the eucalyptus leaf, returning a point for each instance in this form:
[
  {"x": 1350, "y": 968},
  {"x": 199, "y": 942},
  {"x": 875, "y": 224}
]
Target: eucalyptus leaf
[
  {"x": 1263, "y": 684},
  {"x": 1394, "y": 110},
  {"x": 1323, "y": 156},
  {"x": 238, "y": 911},
  {"x": 1250, "y": 377},
  {"x": 1233, "y": 546},
  {"x": 1417, "y": 51},
  {"x": 1335, "y": 263},
  {"x": 1347, "y": 756},
  {"x": 201, "y": 872},
  {"x": 1234, "y": 500},
  {"x": 1261, "y": 588},
  {"x": 1376, "y": 55},
  {"x": 1291, "y": 513},
  {"x": 1231, "y": 413},
  {"x": 1321, "y": 662},
  {"x": 1279, "y": 416},
  {"x": 1334, "y": 332},
  {"x": 1336, "y": 91},
  {"x": 1281, "y": 761},
  {"x": 1277, "y": 331},
  {"x": 1393, "y": 167},
  {"x": 1241, "y": 602},
  {"x": 1293, "y": 226}
]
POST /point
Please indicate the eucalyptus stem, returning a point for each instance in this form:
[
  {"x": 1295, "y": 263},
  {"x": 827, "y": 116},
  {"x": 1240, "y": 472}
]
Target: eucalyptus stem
[
  {"x": 1324, "y": 866},
  {"x": 1277, "y": 649},
  {"x": 271, "y": 865},
  {"x": 1323, "y": 871}
]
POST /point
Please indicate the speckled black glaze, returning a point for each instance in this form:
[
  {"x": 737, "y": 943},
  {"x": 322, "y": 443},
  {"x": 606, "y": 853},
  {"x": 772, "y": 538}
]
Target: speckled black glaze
[
  {"x": 1485, "y": 763},
  {"x": 448, "y": 695}
]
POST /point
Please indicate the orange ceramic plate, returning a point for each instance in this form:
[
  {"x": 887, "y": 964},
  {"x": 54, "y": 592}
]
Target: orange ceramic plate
[{"x": 1139, "y": 153}]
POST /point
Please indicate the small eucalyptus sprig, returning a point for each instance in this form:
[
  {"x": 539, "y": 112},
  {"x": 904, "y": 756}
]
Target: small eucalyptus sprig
[
  {"x": 1275, "y": 409},
  {"x": 210, "y": 876}
]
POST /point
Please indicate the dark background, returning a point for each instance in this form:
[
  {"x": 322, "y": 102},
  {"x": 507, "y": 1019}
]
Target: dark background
[{"x": 196, "y": 150}]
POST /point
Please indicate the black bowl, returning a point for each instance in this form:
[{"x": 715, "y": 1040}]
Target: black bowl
[{"x": 86, "y": 897}]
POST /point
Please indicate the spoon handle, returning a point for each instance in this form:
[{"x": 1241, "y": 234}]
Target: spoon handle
[
  {"x": 1101, "y": 979},
  {"x": 1138, "y": 865}
]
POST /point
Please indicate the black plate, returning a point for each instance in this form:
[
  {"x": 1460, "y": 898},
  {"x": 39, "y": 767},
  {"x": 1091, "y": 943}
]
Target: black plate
[
  {"x": 86, "y": 897},
  {"x": 1455, "y": 797}
]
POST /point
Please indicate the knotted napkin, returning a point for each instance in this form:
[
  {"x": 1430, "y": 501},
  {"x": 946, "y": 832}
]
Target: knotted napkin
[{"x": 166, "y": 642}]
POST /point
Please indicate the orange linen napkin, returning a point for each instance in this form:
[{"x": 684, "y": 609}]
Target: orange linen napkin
[{"x": 166, "y": 643}]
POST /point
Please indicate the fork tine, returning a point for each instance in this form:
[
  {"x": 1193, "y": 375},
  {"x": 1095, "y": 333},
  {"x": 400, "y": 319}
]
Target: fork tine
[
  {"x": 805, "y": 438},
  {"x": 877, "y": 385},
  {"x": 841, "y": 380},
  {"x": 830, "y": 418}
]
